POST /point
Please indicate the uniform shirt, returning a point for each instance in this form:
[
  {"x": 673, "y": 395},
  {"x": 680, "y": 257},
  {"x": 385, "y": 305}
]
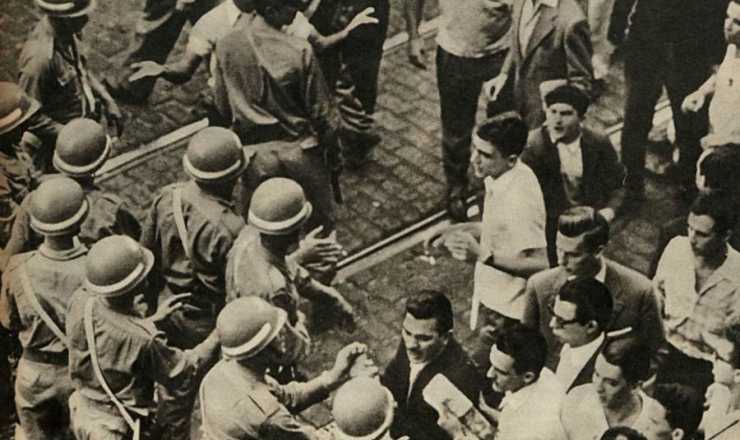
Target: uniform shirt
[
  {"x": 54, "y": 277},
  {"x": 132, "y": 354},
  {"x": 583, "y": 415},
  {"x": 211, "y": 27},
  {"x": 513, "y": 221},
  {"x": 724, "y": 109},
  {"x": 474, "y": 28},
  {"x": 532, "y": 412},
  {"x": 238, "y": 404},
  {"x": 16, "y": 179},
  {"x": 688, "y": 315},
  {"x": 54, "y": 73},
  {"x": 572, "y": 360},
  {"x": 266, "y": 78},
  {"x": 212, "y": 227},
  {"x": 108, "y": 215}
]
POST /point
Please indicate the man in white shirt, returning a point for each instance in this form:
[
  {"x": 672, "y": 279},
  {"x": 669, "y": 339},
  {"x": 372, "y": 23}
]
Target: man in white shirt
[
  {"x": 508, "y": 244},
  {"x": 722, "y": 418},
  {"x": 581, "y": 312},
  {"x": 614, "y": 397}
]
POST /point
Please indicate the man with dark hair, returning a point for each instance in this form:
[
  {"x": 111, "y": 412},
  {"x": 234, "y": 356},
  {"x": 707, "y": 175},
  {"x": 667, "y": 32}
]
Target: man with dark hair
[
  {"x": 580, "y": 315},
  {"x": 614, "y": 397},
  {"x": 533, "y": 399},
  {"x": 582, "y": 235},
  {"x": 697, "y": 284},
  {"x": 622, "y": 433},
  {"x": 575, "y": 166},
  {"x": 428, "y": 348},
  {"x": 271, "y": 91},
  {"x": 509, "y": 242},
  {"x": 675, "y": 414}
]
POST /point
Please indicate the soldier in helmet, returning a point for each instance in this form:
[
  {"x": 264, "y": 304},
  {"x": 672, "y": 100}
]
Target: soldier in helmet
[
  {"x": 237, "y": 399},
  {"x": 115, "y": 354},
  {"x": 363, "y": 410},
  {"x": 190, "y": 229},
  {"x": 53, "y": 69},
  {"x": 258, "y": 263},
  {"x": 36, "y": 288},
  {"x": 82, "y": 148}
]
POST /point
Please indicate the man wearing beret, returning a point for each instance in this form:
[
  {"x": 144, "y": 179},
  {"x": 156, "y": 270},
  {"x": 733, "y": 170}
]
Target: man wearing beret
[{"x": 575, "y": 166}]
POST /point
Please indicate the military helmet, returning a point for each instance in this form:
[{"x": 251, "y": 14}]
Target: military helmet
[
  {"x": 15, "y": 106},
  {"x": 247, "y": 325},
  {"x": 278, "y": 207},
  {"x": 58, "y": 207},
  {"x": 214, "y": 155},
  {"x": 116, "y": 265},
  {"x": 363, "y": 409},
  {"x": 82, "y": 148},
  {"x": 66, "y": 8}
]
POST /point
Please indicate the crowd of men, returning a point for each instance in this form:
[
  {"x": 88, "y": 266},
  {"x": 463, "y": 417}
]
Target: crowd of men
[{"x": 115, "y": 327}]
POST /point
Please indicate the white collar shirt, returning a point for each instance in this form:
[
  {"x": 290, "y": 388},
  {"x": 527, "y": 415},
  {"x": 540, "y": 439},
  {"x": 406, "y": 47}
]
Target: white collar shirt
[
  {"x": 531, "y": 11},
  {"x": 571, "y": 169},
  {"x": 533, "y": 412},
  {"x": 572, "y": 360}
]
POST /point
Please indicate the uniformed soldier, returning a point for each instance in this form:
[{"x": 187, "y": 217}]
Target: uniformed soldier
[
  {"x": 82, "y": 148},
  {"x": 363, "y": 410},
  {"x": 190, "y": 229},
  {"x": 35, "y": 291},
  {"x": 258, "y": 263},
  {"x": 117, "y": 355},
  {"x": 238, "y": 401},
  {"x": 53, "y": 69},
  {"x": 16, "y": 169}
]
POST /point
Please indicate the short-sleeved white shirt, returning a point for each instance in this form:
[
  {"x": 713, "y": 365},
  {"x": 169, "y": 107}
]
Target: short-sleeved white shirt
[
  {"x": 513, "y": 221},
  {"x": 214, "y": 25},
  {"x": 724, "y": 110}
]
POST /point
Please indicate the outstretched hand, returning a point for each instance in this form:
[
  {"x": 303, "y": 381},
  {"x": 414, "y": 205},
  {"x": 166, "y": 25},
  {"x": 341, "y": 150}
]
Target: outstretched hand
[
  {"x": 146, "y": 69},
  {"x": 363, "y": 17}
]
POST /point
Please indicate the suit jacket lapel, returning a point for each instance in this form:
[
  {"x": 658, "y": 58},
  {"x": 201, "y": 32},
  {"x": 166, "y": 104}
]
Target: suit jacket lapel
[
  {"x": 544, "y": 26},
  {"x": 516, "y": 17},
  {"x": 615, "y": 286}
]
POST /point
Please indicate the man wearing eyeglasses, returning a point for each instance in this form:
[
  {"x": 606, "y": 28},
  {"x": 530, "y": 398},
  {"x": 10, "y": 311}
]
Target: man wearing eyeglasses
[{"x": 580, "y": 314}]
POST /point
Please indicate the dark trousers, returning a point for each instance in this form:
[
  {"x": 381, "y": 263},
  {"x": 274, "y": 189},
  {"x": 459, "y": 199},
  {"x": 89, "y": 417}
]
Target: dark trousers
[
  {"x": 677, "y": 367},
  {"x": 459, "y": 81},
  {"x": 157, "y": 31},
  {"x": 647, "y": 70}
]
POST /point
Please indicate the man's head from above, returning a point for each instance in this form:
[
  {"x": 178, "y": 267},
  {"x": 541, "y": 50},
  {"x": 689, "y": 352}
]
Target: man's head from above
[
  {"x": 497, "y": 145},
  {"x": 517, "y": 358},
  {"x": 565, "y": 107},
  {"x": 427, "y": 325},
  {"x": 726, "y": 362},
  {"x": 620, "y": 369},
  {"x": 278, "y": 13},
  {"x": 581, "y": 311},
  {"x": 16, "y": 107},
  {"x": 711, "y": 219},
  {"x": 582, "y": 235},
  {"x": 67, "y": 17},
  {"x": 674, "y": 414},
  {"x": 720, "y": 170},
  {"x": 732, "y": 23}
]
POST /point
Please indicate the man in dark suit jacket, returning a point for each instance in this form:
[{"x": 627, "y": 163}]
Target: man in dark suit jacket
[
  {"x": 550, "y": 40},
  {"x": 428, "y": 348},
  {"x": 582, "y": 235},
  {"x": 574, "y": 166}
]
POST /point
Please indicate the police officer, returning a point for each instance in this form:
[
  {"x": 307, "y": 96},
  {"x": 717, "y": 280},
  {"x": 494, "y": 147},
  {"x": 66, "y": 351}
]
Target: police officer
[
  {"x": 53, "y": 70},
  {"x": 363, "y": 409},
  {"x": 115, "y": 354},
  {"x": 82, "y": 148},
  {"x": 35, "y": 290},
  {"x": 258, "y": 263},
  {"x": 238, "y": 401},
  {"x": 190, "y": 229}
]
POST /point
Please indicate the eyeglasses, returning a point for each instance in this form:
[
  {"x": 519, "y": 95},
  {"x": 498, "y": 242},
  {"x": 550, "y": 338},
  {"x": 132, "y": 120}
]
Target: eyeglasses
[{"x": 560, "y": 322}]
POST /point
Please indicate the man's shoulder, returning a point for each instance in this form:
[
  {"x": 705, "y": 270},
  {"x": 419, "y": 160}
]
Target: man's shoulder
[
  {"x": 38, "y": 50},
  {"x": 632, "y": 280},
  {"x": 548, "y": 278},
  {"x": 596, "y": 139},
  {"x": 570, "y": 12}
]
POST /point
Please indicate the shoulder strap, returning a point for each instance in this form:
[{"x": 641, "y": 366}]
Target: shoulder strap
[
  {"x": 182, "y": 230},
  {"x": 31, "y": 294},
  {"x": 90, "y": 335}
]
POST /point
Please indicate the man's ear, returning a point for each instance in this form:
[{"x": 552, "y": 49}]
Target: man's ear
[
  {"x": 529, "y": 377},
  {"x": 511, "y": 160},
  {"x": 736, "y": 375},
  {"x": 592, "y": 327},
  {"x": 677, "y": 434}
]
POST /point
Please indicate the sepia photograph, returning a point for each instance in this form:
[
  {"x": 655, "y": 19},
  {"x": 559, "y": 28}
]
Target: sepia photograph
[{"x": 370, "y": 220}]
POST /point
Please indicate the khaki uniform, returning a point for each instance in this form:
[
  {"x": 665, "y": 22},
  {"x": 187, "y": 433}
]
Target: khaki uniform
[
  {"x": 109, "y": 215},
  {"x": 16, "y": 180},
  {"x": 211, "y": 227},
  {"x": 133, "y": 356},
  {"x": 237, "y": 404},
  {"x": 42, "y": 386}
]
